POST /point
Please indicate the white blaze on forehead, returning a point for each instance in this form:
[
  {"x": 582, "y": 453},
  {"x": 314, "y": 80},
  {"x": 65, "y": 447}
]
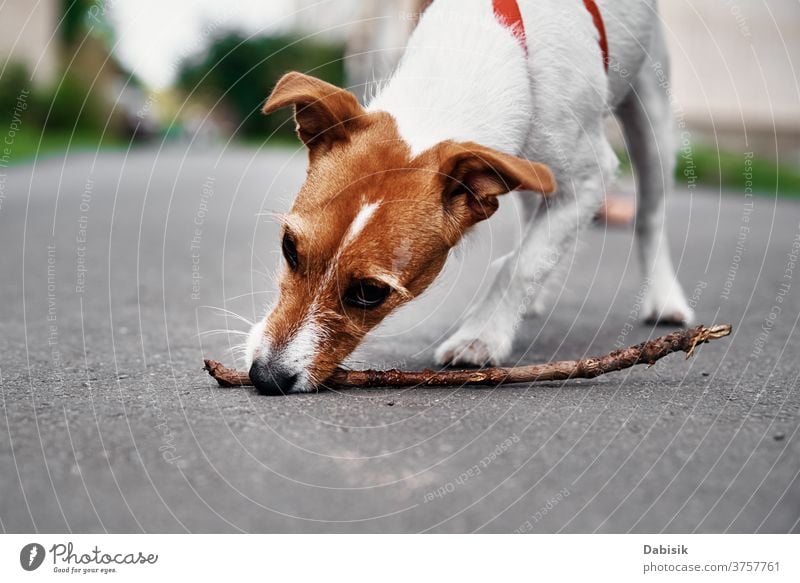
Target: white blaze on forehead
[{"x": 361, "y": 220}]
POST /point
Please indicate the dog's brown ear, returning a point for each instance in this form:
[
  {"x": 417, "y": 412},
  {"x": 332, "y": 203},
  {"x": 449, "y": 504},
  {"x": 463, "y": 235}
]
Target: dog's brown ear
[
  {"x": 473, "y": 176},
  {"x": 323, "y": 112}
]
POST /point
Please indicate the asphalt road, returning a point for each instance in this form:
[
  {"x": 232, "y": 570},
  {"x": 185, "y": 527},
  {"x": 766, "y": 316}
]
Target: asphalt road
[{"x": 112, "y": 268}]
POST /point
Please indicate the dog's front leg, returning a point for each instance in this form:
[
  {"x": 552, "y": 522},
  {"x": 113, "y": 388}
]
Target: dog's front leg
[{"x": 487, "y": 334}]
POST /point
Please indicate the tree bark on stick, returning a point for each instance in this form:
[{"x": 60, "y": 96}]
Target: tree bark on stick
[{"x": 586, "y": 368}]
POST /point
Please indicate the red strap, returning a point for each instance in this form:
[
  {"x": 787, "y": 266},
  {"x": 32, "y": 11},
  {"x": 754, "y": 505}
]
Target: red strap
[
  {"x": 507, "y": 12},
  {"x": 591, "y": 6}
]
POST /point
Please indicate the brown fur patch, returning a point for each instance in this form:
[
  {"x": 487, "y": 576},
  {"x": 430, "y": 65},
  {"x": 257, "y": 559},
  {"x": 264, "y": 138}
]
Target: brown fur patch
[{"x": 426, "y": 203}]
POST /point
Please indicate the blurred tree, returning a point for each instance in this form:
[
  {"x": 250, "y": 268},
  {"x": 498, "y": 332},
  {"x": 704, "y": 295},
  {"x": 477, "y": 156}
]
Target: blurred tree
[
  {"x": 241, "y": 72},
  {"x": 70, "y": 105},
  {"x": 85, "y": 98},
  {"x": 74, "y": 21},
  {"x": 15, "y": 79}
]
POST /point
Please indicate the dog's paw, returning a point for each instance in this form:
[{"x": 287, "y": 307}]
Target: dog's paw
[
  {"x": 677, "y": 318},
  {"x": 668, "y": 309},
  {"x": 486, "y": 350}
]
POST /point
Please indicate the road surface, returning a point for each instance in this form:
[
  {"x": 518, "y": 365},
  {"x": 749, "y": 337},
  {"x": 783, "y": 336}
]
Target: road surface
[{"x": 117, "y": 267}]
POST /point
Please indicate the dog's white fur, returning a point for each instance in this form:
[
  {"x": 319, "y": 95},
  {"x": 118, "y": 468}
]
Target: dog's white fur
[{"x": 465, "y": 77}]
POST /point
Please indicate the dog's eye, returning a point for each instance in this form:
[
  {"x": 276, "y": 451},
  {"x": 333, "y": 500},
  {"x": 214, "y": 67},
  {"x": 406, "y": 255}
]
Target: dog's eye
[
  {"x": 366, "y": 294},
  {"x": 289, "y": 251}
]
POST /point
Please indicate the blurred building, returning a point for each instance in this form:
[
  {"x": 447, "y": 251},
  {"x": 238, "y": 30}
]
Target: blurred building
[
  {"x": 733, "y": 61},
  {"x": 735, "y": 71},
  {"x": 28, "y": 35}
]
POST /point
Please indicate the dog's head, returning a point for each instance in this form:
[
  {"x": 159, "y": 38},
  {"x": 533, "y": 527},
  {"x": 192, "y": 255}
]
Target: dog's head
[{"x": 369, "y": 230}]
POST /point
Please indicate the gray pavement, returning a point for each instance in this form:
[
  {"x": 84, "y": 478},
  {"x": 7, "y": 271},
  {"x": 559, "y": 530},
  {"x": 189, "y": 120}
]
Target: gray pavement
[{"x": 110, "y": 268}]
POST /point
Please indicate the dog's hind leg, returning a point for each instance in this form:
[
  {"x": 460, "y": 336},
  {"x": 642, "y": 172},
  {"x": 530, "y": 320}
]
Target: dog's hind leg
[{"x": 646, "y": 116}]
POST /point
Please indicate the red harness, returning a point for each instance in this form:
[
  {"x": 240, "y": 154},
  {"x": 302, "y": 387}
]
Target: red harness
[{"x": 507, "y": 12}]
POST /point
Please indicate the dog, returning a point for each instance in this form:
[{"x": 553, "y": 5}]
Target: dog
[{"x": 490, "y": 97}]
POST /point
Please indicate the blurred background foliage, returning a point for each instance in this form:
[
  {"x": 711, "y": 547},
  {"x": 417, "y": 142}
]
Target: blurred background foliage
[
  {"x": 15, "y": 79},
  {"x": 90, "y": 99},
  {"x": 73, "y": 21},
  {"x": 66, "y": 112},
  {"x": 72, "y": 108},
  {"x": 70, "y": 105},
  {"x": 93, "y": 100},
  {"x": 238, "y": 73}
]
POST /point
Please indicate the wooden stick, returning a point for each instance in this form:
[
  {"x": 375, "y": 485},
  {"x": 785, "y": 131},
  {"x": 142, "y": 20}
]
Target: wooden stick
[{"x": 586, "y": 368}]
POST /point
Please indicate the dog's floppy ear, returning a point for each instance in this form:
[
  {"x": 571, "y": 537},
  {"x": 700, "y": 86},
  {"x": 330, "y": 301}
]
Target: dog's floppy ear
[
  {"x": 473, "y": 176},
  {"x": 323, "y": 112}
]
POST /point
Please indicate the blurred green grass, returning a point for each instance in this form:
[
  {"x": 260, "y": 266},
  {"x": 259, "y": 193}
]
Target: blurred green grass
[
  {"x": 727, "y": 169},
  {"x": 713, "y": 168},
  {"x": 63, "y": 116},
  {"x": 32, "y": 144}
]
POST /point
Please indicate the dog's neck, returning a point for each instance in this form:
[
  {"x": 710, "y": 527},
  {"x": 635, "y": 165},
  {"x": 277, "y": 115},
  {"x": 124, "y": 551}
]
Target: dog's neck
[{"x": 464, "y": 77}]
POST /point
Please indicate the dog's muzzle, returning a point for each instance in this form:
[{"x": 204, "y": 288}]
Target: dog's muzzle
[{"x": 270, "y": 379}]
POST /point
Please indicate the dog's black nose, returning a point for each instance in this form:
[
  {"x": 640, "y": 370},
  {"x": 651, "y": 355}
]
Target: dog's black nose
[{"x": 271, "y": 380}]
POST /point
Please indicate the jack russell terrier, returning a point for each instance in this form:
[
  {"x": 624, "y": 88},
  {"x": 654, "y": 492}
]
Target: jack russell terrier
[{"x": 491, "y": 96}]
